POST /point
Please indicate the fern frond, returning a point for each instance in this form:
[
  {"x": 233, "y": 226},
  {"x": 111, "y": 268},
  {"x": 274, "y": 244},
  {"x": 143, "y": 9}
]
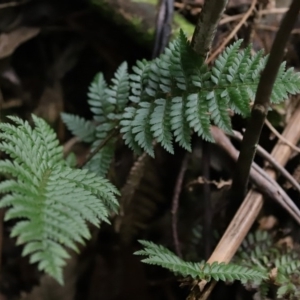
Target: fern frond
[
  {"x": 255, "y": 246},
  {"x": 288, "y": 264},
  {"x": 97, "y": 99},
  {"x": 159, "y": 255},
  {"x": 83, "y": 129},
  {"x": 118, "y": 93},
  {"x": 161, "y": 124},
  {"x": 177, "y": 94},
  {"x": 55, "y": 200},
  {"x": 126, "y": 128},
  {"x": 107, "y": 103}
]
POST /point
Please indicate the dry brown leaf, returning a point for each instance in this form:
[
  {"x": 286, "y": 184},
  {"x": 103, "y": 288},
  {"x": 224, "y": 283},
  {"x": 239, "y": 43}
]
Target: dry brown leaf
[
  {"x": 267, "y": 223},
  {"x": 12, "y": 40},
  {"x": 273, "y": 274},
  {"x": 287, "y": 242}
]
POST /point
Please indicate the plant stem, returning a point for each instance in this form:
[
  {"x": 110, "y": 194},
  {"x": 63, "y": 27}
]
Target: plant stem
[
  {"x": 261, "y": 104},
  {"x": 98, "y": 148},
  {"x": 207, "y": 230},
  {"x": 207, "y": 25},
  {"x": 175, "y": 203},
  {"x": 232, "y": 33}
]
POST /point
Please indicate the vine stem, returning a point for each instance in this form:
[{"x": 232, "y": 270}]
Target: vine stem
[
  {"x": 98, "y": 148},
  {"x": 262, "y": 103}
]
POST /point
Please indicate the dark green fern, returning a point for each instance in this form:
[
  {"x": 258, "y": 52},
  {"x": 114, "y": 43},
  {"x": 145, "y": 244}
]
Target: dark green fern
[
  {"x": 51, "y": 201},
  {"x": 169, "y": 98},
  {"x": 107, "y": 104}
]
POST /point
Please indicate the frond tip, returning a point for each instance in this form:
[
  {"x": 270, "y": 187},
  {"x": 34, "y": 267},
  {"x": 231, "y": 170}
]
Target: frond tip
[
  {"x": 53, "y": 201},
  {"x": 158, "y": 255}
]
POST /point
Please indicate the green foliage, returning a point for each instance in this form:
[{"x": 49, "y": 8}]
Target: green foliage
[
  {"x": 85, "y": 130},
  {"x": 51, "y": 200},
  {"x": 176, "y": 94},
  {"x": 106, "y": 104},
  {"x": 259, "y": 251},
  {"x": 162, "y": 101},
  {"x": 259, "y": 264},
  {"x": 158, "y": 255}
]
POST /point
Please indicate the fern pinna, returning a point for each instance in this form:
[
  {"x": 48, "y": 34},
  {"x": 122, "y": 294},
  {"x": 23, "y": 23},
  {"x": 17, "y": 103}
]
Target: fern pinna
[
  {"x": 174, "y": 95},
  {"x": 53, "y": 201},
  {"x": 160, "y": 256},
  {"x": 261, "y": 251}
]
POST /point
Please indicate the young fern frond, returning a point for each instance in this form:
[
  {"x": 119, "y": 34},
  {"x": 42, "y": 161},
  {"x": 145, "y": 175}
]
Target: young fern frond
[
  {"x": 53, "y": 201},
  {"x": 159, "y": 255}
]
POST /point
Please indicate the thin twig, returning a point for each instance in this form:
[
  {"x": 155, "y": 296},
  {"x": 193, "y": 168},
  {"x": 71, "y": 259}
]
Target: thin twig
[
  {"x": 233, "y": 32},
  {"x": 268, "y": 157},
  {"x": 69, "y": 145},
  {"x": 274, "y": 28},
  {"x": 207, "y": 230},
  {"x": 275, "y": 10},
  {"x": 228, "y": 19},
  {"x": 98, "y": 148},
  {"x": 175, "y": 203},
  {"x": 280, "y": 137},
  {"x": 262, "y": 103}
]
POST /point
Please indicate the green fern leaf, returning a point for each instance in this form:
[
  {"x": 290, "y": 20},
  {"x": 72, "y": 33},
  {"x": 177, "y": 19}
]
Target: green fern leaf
[
  {"x": 141, "y": 127},
  {"x": 99, "y": 105},
  {"x": 127, "y": 127},
  {"x": 137, "y": 80},
  {"x": 161, "y": 125},
  {"x": 177, "y": 94},
  {"x": 83, "y": 129},
  {"x": 55, "y": 200},
  {"x": 158, "y": 255},
  {"x": 197, "y": 115},
  {"x": 179, "y": 123},
  {"x": 118, "y": 93}
]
